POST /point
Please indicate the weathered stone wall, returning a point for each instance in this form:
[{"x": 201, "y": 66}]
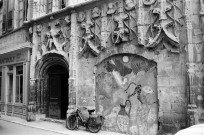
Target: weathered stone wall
[
  {"x": 167, "y": 32},
  {"x": 172, "y": 91},
  {"x": 122, "y": 28}
]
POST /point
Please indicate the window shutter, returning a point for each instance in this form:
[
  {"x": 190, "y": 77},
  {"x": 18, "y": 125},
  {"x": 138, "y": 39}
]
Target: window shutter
[
  {"x": 4, "y": 24},
  {"x": 10, "y": 20},
  {"x": 21, "y": 12},
  {"x": 4, "y": 27},
  {"x": 49, "y": 6}
]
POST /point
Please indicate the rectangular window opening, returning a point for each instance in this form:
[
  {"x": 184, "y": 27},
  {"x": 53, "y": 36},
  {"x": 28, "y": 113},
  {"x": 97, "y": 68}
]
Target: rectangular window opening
[{"x": 19, "y": 84}]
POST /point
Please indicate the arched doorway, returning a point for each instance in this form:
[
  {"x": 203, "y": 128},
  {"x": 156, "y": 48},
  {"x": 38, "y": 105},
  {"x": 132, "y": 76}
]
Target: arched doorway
[
  {"x": 58, "y": 91},
  {"x": 52, "y": 73}
]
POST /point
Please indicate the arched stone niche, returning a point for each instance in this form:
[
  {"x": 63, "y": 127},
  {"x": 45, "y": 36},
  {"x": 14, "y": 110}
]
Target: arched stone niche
[{"x": 126, "y": 94}]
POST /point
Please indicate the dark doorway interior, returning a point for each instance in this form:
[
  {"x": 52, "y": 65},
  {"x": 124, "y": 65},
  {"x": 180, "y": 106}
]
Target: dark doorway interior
[{"x": 58, "y": 92}]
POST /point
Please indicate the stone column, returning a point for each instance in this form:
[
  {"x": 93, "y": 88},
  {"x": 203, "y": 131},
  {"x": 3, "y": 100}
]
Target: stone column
[
  {"x": 195, "y": 60},
  {"x": 73, "y": 64},
  {"x": 32, "y": 93}
]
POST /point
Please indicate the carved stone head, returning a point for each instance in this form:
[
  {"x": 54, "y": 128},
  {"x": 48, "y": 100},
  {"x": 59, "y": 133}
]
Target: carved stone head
[
  {"x": 81, "y": 17},
  {"x": 96, "y": 12},
  {"x": 67, "y": 19},
  {"x": 111, "y": 8},
  {"x": 129, "y": 4}
]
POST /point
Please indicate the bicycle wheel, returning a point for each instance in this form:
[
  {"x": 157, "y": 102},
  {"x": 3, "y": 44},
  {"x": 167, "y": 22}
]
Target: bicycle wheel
[
  {"x": 71, "y": 122},
  {"x": 93, "y": 127}
]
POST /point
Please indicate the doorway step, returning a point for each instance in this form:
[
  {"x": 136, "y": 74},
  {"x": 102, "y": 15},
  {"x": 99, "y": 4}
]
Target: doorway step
[{"x": 54, "y": 120}]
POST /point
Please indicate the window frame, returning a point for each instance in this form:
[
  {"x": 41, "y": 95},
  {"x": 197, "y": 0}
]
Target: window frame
[
  {"x": 20, "y": 85},
  {"x": 8, "y": 16}
]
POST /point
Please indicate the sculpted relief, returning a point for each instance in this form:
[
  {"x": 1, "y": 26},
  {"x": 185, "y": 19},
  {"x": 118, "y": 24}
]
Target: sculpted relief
[
  {"x": 121, "y": 21},
  {"x": 166, "y": 22},
  {"x": 54, "y": 36},
  {"x": 90, "y": 24}
]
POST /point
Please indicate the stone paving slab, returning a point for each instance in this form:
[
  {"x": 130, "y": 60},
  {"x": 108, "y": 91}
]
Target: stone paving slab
[{"x": 53, "y": 127}]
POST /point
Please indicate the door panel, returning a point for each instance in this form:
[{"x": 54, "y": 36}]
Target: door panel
[{"x": 55, "y": 93}]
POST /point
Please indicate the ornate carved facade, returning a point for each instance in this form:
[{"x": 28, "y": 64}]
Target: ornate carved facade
[{"x": 137, "y": 62}]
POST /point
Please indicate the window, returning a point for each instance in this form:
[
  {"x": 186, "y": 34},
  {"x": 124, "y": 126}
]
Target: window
[
  {"x": 53, "y": 5},
  {"x": 1, "y": 18},
  {"x": 62, "y": 4},
  {"x": 0, "y": 82},
  {"x": 49, "y": 6},
  {"x": 22, "y": 11},
  {"x": 8, "y": 13},
  {"x": 19, "y": 84}
]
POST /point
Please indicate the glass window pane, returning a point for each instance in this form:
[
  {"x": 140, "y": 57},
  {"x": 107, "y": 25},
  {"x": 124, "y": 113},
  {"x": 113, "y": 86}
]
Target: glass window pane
[
  {"x": 19, "y": 84},
  {"x": 10, "y": 94},
  {"x": 21, "y": 89},
  {"x": 17, "y": 89},
  {"x": 19, "y": 70}
]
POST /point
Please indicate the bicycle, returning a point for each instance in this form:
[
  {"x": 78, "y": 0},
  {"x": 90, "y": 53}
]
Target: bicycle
[{"x": 93, "y": 123}]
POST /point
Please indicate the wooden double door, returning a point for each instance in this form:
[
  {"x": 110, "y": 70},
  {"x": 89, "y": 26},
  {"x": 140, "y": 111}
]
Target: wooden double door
[{"x": 58, "y": 95}]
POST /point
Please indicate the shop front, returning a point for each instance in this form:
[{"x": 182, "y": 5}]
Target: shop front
[{"x": 14, "y": 71}]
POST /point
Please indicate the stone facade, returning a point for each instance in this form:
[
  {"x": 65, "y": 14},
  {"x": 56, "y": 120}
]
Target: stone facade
[{"x": 137, "y": 62}]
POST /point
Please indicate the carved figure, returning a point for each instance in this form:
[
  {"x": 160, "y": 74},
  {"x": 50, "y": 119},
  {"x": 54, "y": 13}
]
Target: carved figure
[
  {"x": 121, "y": 32},
  {"x": 49, "y": 44},
  {"x": 39, "y": 29},
  {"x": 30, "y": 34},
  {"x": 81, "y": 17}
]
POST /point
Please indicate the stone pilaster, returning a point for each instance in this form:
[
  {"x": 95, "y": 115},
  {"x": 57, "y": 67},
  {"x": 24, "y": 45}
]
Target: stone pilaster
[
  {"x": 73, "y": 63},
  {"x": 194, "y": 65}
]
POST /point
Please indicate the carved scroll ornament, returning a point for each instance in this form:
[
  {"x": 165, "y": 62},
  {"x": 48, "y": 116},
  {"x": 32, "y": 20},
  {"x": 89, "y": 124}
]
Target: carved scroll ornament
[
  {"x": 162, "y": 30},
  {"x": 89, "y": 36}
]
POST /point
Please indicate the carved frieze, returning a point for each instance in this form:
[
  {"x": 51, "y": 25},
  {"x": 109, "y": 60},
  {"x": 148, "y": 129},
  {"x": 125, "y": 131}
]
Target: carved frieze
[
  {"x": 90, "y": 24},
  {"x": 166, "y": 21}
]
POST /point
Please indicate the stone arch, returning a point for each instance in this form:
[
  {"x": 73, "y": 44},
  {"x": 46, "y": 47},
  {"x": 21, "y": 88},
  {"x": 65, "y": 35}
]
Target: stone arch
[{"x": 47, "y": 61}]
